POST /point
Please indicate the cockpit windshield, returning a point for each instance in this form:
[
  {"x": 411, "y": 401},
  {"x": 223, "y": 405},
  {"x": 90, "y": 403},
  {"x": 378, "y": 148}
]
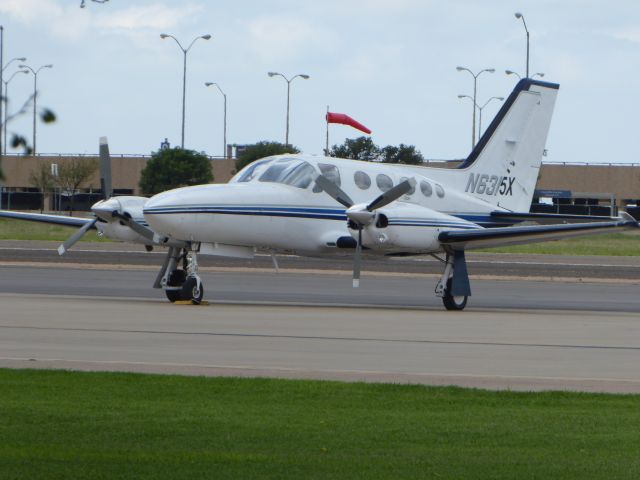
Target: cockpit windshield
[{"x": 289, "y": 171}]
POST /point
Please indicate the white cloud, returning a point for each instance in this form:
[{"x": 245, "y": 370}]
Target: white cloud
[
  {"x": 149, "y": 17},
  {"x": 284, "y": 37},
  {"x": 630, "y": 34},
  {"x": 31, "y": 11},
  {"x": 67, "y": 21}
]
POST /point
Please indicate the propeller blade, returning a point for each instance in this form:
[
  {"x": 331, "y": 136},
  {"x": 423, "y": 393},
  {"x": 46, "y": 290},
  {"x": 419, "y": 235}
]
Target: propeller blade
[
  {"x": 357, "y": 259},
  {"x": 69, "y": 242},
  {"x": 136, "y": 227},
  {"x": 392, "y": 195},
  {"x": 105, "y": 169},
  {"x": 334, "y": 191}
]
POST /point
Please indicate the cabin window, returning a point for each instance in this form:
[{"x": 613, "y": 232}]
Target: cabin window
[
  {"x": 289, "y": 171},
  {"x": 439, "y": 191},
  {"x": 425, "y": 188},
  {"x": 413, "y": 189},
  {"x": 362, "y": 180},
  {"x": 384, "y": 182},
  {"x": 251, "y": 170},
  {"x": 331, "y": 172}
]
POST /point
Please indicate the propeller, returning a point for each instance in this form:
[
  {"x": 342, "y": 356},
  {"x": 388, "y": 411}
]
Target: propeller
[
  {"x": 105, "y": 185},
  {"x": 69, "y": 242},
  {"x": 362, "y": 215},
  {"x": 135, "y": 226},
  {"x": 105, "y": 169}
]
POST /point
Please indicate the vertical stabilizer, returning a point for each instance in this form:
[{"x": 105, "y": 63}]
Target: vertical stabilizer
[{"x": 503, "y": 167}]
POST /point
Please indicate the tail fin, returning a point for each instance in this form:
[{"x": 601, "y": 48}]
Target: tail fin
[{"x": 503, "y": 167}]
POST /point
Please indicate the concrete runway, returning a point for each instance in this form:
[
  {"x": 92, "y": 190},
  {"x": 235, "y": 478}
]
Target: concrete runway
[{"x": 515, "y": 334}]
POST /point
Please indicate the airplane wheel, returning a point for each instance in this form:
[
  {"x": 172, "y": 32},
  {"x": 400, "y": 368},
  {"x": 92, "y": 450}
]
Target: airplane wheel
[
  {"x": 190, "y": 291},
  {"x": 176, "y": 279},
  {"x": 451, "y": 302}
]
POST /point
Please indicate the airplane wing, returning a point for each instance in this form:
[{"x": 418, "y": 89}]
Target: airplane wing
[
  {"x": 44, "y": 218},
  {"x": 503, "y": 236},
  {"x": 549, "y": 218}
]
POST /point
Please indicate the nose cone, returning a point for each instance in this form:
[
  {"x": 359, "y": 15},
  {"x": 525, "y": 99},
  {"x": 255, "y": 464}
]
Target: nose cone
[{"x": 104, "y": 209}]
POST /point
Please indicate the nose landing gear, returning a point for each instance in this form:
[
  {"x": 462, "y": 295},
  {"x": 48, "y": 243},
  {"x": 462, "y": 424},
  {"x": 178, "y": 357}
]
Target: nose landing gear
[{"x": 181, "y": 284}]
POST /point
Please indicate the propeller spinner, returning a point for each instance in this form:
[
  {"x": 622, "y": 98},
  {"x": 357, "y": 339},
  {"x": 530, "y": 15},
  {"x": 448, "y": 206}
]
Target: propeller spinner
[{"x": 362, "y": 214}]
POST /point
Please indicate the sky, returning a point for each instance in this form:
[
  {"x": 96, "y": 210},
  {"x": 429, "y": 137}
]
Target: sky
[{"x": 390, "y": 64}]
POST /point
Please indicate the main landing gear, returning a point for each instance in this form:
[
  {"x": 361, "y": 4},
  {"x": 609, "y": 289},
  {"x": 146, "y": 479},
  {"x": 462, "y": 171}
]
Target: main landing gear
[
  {"x": 453, "y": 287},
  {"x": 181, "y": 283}
]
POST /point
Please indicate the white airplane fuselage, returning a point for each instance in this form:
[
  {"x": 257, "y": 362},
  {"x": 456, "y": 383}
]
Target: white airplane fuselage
[{"x": 283, "y": 217}]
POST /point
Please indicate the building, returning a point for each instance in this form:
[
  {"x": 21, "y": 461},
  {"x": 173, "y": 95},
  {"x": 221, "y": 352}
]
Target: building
[{"x": 568, "y": 187}]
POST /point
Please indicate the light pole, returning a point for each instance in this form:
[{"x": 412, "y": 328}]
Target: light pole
[
  {"x": 475, "y": 92},
  {"x": 35, "y": 97},
  {"x": 519, "y": 15},
  {"x": 511, "y": 72},
  {"x": 4, "y": 121},
  {"x": 480, "y": 108},
  {"x": 301, "y": 75},
  {"x": 224, "y": 95},
  {"x": 184, "y": 71}
]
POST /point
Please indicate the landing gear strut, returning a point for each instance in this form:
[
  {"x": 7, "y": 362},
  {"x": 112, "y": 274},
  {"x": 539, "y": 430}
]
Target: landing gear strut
[
  {"x": 181, "y": 283},
  {"x": 453, "y": 287}
]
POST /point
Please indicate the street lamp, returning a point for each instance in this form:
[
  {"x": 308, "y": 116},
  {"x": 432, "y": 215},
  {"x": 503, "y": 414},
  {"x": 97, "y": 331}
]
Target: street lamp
[
  {"x": 520, "y": 16},
  {"x": 224, "y": 95},
  {"x": 184, "y": 71},
  {"x": 480, "y": 108},
  {"x": 4, "y": 122},
  {"x": 4, "y": 97},
  {"x": 301, "y": 75},
  {"x": 475, "y": 103},
  {"x": 511, "y": 72},
  {"x": 35, "y": 96}
]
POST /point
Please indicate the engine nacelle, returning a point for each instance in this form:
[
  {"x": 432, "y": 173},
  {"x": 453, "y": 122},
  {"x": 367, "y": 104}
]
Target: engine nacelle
[
  {"x": 113, "y": 227},
  {"x": 407, "y": 228}
]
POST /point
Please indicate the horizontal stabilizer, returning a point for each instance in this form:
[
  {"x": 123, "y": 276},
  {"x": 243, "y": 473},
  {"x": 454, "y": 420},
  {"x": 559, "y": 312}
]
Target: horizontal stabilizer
[
  {"x": 550, "y": 218},
  {"x": 498, "y": 237}
]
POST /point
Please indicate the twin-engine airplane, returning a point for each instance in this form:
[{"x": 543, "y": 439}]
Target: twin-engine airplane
[{"x": 314, "y": 205}]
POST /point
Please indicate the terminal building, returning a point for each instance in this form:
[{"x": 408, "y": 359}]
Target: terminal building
[{"x": 568, "y": 188}]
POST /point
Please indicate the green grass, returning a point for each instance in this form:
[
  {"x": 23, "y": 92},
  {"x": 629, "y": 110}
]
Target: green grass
[
  {"x": 11, "y": 229},
  {"x": 617, "y": 244},
  {"x": 58, "y": 424}
]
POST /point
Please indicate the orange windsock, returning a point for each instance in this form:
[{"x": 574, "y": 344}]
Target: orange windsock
[{"x": 346, "y": 120}]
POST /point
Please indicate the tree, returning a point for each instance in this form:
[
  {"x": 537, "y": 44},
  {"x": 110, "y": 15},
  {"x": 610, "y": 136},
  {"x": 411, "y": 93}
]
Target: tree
[
  {"x": 43, "y": 180},
  {"x": 361, "y": 148},
  {"x": 261, "y": 150},
  {"x": 407, "y": 154},
  {"x": 19, "y": 141},
  {"x": 172, "y": 168},
  {"x": 73, "y": 173}
]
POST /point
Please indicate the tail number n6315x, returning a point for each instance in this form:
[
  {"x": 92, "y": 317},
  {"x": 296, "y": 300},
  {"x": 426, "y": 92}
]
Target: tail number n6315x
[{"x": 483, "y": 184}]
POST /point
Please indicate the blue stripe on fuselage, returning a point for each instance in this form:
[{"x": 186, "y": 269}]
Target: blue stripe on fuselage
[{"x": 326, "y": 213}]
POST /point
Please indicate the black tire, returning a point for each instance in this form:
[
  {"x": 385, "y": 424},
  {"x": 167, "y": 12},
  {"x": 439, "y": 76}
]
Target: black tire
[
  {"x": 453, "y": 303},
  {"x": 191, "y": 292},
  {"x": 173, "y": 295},
  {"x": 176, "y": 279}
]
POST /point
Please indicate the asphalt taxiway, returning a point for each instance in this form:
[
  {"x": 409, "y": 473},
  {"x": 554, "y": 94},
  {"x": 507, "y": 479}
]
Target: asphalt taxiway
[{"x": 546, "y": 332}]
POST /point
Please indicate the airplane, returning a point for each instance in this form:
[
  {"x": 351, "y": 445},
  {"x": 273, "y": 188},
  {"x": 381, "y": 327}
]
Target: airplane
[{"x": 326, "y": 206}]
